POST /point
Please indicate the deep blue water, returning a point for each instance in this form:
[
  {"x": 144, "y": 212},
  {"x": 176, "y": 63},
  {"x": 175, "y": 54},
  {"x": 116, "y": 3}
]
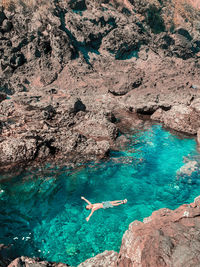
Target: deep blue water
[{"x": 41, "y": 213}]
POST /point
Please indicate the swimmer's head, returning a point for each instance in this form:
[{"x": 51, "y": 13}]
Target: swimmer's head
[{"x": 89, "y": 207}]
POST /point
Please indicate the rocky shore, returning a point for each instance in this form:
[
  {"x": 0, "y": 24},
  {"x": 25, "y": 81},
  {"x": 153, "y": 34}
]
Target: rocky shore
[
  {"x": 72, "y": 70},
  {"x": 166, "y": 238},
  {"x": 74, "y": 74}
]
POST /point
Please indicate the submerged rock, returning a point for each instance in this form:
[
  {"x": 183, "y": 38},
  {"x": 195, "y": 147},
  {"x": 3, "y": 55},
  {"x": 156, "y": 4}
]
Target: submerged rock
[{"x": 188, "y": 168}]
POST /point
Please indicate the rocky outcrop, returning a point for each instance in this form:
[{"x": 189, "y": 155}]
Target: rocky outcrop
[
  {"x": 180, "y": 118},
  {"x": 107, "y": 258},
  {"x": 29, "y": 262},
  {"x": 75, "y": 73},
  {"x": 74, "y": 62},
  {"x": 42, "y": 129},
  {"x": 166, "y": 238},
  {"x": 198, "y": 136}
]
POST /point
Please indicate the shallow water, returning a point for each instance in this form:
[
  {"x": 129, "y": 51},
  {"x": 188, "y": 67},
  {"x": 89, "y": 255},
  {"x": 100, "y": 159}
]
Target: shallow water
[{"x": 42, "y": 214}]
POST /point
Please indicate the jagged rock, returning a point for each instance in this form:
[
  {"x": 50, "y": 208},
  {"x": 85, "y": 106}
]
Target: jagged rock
[
  {"x": 17, "y": 150},
  {"x": 198, "y": 136},
  {"x": 166, "y": 238},
  {"x": 106, "y": 259},
  {"x": 29, "y": 262},
  {"x": 196, "y": 105},
  {"x": 180, "y": 118},
  {"x": 92, "y": 51},
  {"x": 122, "y": 84},
  {"x": 78, "y": 4}
]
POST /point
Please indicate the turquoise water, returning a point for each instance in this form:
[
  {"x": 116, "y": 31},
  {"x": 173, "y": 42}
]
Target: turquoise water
[{"x": 41, "y": 213}]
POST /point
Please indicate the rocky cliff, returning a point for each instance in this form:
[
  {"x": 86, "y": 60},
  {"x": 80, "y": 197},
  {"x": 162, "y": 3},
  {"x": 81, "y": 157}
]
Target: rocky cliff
[{"x": 71, "y": 70}]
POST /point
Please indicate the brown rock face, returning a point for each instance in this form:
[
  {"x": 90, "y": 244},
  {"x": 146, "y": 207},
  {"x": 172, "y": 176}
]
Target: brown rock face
[
  {"x": 29, "y": 262},
  {"x": 166, "y": 238},
  {"x": 180, "y": 118},
  {"x": 107, "y": 258},
  {"x": 198, "y": 136},
  {"x": 66, "y": 65}
]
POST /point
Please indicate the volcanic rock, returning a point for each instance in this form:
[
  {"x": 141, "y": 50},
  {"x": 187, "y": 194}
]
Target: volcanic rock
[
  {"x": 65, "y": 65},
  {"x": 107, "y": 258},
  {"x": 29, "y": 262},
  {"x": 166, "y": 238},
  {"x": 180, "y": 118},
  {"x": 198, "y": 136}
]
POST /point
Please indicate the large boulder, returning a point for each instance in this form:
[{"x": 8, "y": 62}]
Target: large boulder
[{"x": 16, "y": 150}]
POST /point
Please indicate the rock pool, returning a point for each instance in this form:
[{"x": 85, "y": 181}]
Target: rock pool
[{"x": 42, "y": 214}]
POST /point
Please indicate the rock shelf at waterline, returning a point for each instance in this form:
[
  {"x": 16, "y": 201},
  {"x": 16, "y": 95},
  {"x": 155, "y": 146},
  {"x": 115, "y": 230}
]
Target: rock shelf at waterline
[
  {"x": 75, "y": 68},
  {"x": 42, "y": 214}
]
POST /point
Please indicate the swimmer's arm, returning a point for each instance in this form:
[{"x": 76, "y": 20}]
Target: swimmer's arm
[
  {"x": 86, "y": 200},
  {"x": 87, "y": 219}
]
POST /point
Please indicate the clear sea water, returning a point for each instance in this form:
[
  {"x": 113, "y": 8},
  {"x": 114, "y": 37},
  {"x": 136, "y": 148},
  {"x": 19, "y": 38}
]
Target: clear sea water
[{"x": 42, "y": 214}]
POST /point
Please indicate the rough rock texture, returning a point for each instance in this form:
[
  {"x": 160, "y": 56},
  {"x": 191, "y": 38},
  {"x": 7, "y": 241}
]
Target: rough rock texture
[
  {"x": 166, "y": 238},
  {"x": 198, "y": 136},
  {"x": 71, "y": 71},
  {"x": 29, "y": 262},
  {"x": 180, "y": 118},
  {"x": 107, "y": 258}
]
